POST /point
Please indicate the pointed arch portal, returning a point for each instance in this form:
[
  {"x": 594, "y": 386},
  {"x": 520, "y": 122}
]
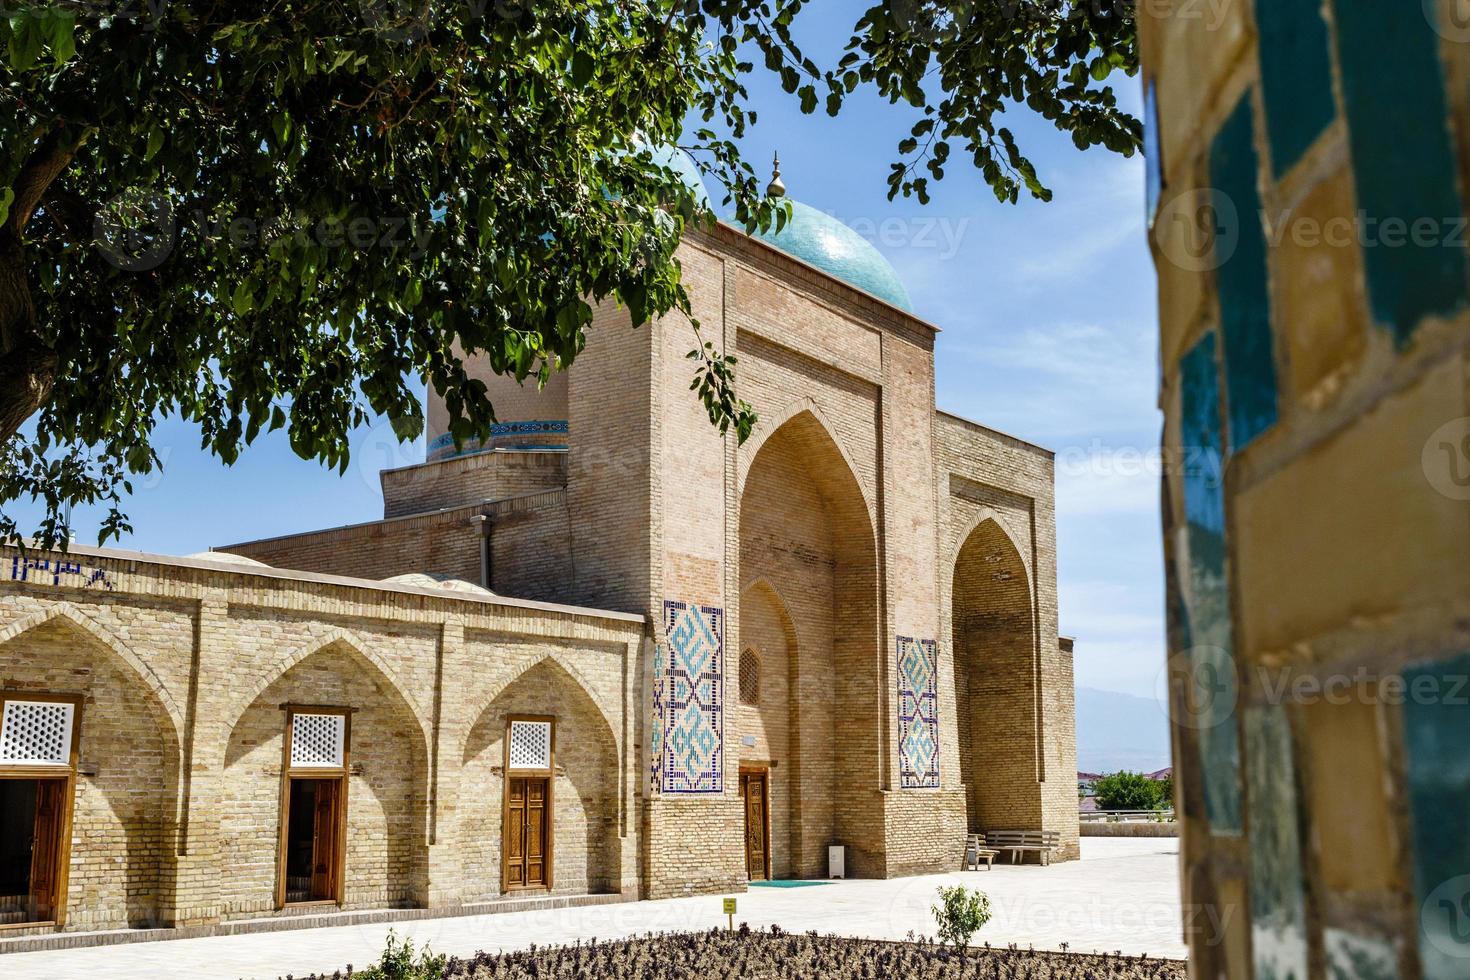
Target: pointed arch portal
[
  {"x": 993, "y": 626},
  {"x": 808, "y": 550}
]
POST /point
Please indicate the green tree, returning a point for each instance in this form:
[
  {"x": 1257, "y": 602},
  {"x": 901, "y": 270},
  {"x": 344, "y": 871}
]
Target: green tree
[
  {"x": 1128, "y": 791},
  {"x": 263, "y": 216}
]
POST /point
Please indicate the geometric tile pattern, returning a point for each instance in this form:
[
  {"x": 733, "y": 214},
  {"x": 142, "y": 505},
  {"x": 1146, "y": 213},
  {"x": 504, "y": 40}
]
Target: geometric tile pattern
[
  {"x": 656, "y": 723},
  {"x": 317, "y": 741},
  {"x": 918, "y": 713},
  {"x": 530, "y": 745},
  {"x": 528, "y": 434},
  {"x": 692, "y": 756},
  {"x": 36, "y": 733}
]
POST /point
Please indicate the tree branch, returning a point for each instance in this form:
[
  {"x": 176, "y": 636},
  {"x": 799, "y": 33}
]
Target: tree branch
[{"x": 46, "y": 162}]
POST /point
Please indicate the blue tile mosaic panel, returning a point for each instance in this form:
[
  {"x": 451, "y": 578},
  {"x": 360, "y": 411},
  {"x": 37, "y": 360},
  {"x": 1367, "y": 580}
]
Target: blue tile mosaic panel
[
  {"x": 532, "y": 434},
  {"x": 1436, "y": 719},
  {"x": 1240, "y": 275},
  {"x": 918, "y": 713},
  {"x": 693, "y": 699},
  {"x": 1211, "y": 691},
  {"x": 1296, "y": 77},
  {"x": 657, "y": 720},
  {"x": 1393, "y": 92},
  {"x": 1278, "y": 897}
]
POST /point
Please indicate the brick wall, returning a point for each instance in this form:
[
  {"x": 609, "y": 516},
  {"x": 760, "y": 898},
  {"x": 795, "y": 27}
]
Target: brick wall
[
  {"x": 445, "y": 543},
  {"x": 184, "y": 666},
  {"x": 470, "y": 480}
]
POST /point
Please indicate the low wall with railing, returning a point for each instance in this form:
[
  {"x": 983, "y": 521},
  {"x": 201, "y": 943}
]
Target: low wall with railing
[{"x": 1128, "y": 823}]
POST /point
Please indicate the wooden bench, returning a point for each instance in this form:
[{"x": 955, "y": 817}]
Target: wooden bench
[
  {"x": 976, "y": 851},
  {"x": 1018, "y": 842}
]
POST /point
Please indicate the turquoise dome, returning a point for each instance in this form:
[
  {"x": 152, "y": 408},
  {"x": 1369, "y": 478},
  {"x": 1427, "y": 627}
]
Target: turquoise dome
[
  {"x": 680, "y": 162},
  {"x": 821, "y": 240}
]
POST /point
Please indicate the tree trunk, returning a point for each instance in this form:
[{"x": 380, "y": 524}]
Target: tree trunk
[{"x": 27, "y": 367}]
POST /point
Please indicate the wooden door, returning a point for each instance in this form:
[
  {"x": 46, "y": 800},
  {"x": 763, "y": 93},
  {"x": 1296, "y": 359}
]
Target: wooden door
[
  {"x": 537, "y": 823},
  {"x": 325, "y": 840},
  {"x": 46, "y": 848},
  {"x": 757, "y": 837},
  {"x": 527, "y": 833}
]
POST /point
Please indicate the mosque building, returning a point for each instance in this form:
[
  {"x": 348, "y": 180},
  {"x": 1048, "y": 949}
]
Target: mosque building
[{"x": 608, "y": 654}]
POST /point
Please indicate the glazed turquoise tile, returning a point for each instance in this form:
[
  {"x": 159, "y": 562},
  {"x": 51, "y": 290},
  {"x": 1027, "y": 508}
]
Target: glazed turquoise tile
[
  {"x": 1436, "y": 722},
  {"x": 1278, "y": 902},
  {"x": 1403, "y": 160},
  {"x": 1240, "y": 275},
  {"x": 1206, "y": 598},
  {"x": 1354, "y": 957},
  {"x": 821, "y": 240},
  {"x": 1296, "y": 77},
  {"x": 1153, "y": 159}
]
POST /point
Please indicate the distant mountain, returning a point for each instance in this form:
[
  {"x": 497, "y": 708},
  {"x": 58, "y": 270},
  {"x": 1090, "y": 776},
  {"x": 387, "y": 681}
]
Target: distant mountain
[{"x": 1120, "y": 731}]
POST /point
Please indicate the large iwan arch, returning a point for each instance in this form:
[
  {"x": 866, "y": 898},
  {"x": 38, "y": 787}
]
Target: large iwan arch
[
  {"x": 806, "y": 532},
  {"x": 993, "y": 625}
]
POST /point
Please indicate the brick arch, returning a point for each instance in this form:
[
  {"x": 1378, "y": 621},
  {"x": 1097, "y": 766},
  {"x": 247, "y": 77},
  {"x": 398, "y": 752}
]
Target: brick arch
[
  {"x": 589, "y": 799},
  {"x": 762, "y": 584},
  {"x": 807, "y": 529},
  {"x": 993, "y": 621},
  {"x": 805, "y": 406},
  {"x": 984, "y": 515},
  {"x": 79, "y": 620},
  {"x": 361, "y": 650},
  {"x": 571, "y": 673}
]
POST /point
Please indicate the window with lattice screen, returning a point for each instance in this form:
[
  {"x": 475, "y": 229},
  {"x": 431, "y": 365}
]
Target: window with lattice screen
[
  {"x": 318, "y": 741},
  {"x": 36, "y": 733},
  {"x": 530, "y": 745},
  {"x": 750, "y": 677}
]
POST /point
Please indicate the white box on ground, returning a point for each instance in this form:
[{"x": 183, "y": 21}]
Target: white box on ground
[{"x": 836, "y": 861}]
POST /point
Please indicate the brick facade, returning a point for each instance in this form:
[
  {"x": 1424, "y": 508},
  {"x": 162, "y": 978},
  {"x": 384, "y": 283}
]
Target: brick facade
[
  {"x": 183, "y": 667},
  {"x": 856, "y": 520}
]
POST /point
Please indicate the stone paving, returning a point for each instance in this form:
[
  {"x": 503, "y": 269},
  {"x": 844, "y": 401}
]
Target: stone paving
[{"x": 1123, "y": 895}]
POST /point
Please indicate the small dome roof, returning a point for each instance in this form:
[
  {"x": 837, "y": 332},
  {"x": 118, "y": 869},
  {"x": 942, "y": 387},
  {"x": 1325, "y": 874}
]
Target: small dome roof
[
  {"x": 431, "y": 580},
  {"x": 821, "y": 240},
  {"x": 227, "y": 558}
]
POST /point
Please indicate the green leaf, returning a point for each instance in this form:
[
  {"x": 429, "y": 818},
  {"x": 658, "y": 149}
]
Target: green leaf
[
  {"x": 583, "y": 67},
  {"x": 7, "y": 196},
  {"x": 63, "y": 36},
  {"x": 242, "y": 301}
]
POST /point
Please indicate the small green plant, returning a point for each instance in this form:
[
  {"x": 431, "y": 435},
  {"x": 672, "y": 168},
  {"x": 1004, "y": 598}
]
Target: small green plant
[
  {"x": 960, "y": 914},
  {"x": 398, "y": 963}
]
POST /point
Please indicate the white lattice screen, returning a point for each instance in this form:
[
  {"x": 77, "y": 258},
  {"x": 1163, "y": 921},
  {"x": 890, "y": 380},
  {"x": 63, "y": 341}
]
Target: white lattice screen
[
  {"x": 530, "y": 745},
  {"x": 317, "y": 741},
  {"x": 36, "y": 733}
]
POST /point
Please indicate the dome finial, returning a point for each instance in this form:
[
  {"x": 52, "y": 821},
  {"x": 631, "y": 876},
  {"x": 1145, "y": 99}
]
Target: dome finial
[{"x": 775, "y": 188}]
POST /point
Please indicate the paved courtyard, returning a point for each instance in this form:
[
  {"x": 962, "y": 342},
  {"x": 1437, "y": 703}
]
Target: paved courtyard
[{"x": 1122, "y": 895}]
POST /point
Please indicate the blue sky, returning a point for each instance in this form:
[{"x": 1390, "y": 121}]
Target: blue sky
[{"x": 1049, "y": 333}]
